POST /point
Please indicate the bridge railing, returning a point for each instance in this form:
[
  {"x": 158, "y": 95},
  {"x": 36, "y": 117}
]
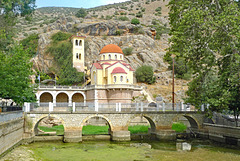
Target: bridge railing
[{"x": 107, "y": 107}]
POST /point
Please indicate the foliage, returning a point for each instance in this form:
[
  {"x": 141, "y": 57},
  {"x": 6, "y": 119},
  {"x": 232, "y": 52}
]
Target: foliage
[
  {"x": 135, "y": 21},
  {"x": 15, "y": 69},
  {"x": 119, "y": 32},
  {"x": 127, "y": 51},
  {"x": 9, "y": 12},
  {"x": 62, "y": 53},
  {"x": 160, "y": 28},
  {"x": 206, "y": 35},
  {"x": 123, "y": 18},
  {"x": 59, "y": 129},
  {"x": 138, "y": 129},
  {"x": 179, "y": 127},
  {"x": 60, "y": 36},
  {"x": 158, "y": 11},
  {"x": 139, "y": 14},
  {"x": 145, "y": 74},
  {"x": 91, "y": 130},
  {"x": 30, "y": 43},
  {"x": 81, "y": 13}
]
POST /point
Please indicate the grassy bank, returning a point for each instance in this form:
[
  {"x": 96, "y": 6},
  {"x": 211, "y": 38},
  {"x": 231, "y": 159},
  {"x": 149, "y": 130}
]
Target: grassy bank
[{"x": 93, "y": 130}]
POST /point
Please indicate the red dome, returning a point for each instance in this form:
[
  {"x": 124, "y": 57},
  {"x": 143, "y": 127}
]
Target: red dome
[
  {"x": 118, "y": 70},
  {"x": 111, "y": 48}
]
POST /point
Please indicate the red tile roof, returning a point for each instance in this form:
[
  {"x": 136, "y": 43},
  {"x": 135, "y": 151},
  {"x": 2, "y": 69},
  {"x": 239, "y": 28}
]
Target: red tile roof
[
  {"x": 97, "y": 65},
  {"x": 106, "y": 63},
  {"x": 111, "y": 48},
  {"x": 118, "y": 70}
]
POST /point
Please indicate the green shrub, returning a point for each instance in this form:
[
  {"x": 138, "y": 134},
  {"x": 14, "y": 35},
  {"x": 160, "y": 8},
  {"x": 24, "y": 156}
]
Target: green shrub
[
  {"x": 135, "y": 21},
  {"x": 139, "y": 14},
  {"x": 145, "y": 74},
  {"x": 108, "y": 17},
  {"x": 81, "y": 13},
  {"x": 128, "y": 51},
  {"x": 119, "y": 32},
  {"x": 30, "y": 43},
  {"x": 123, "y": 18},
  {"x": 179, "y": 127},
  {"x": 123, "y": 13},
  {"x": 60, "y": 36}
]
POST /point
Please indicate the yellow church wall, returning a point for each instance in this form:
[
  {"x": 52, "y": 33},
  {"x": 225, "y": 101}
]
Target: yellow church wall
[
  {"x": 110, "y": 76},
  {"x": 113, "y": 56}
]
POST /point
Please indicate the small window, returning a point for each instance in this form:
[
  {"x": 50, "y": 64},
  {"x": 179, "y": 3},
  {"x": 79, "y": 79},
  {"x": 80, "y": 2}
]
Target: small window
[
  {"x": 76, "y": 55},
  {"x": 121, "y": 57},
  {"x": 109, "y": 57},
  {"x": 115, "y": 57},
  {"x": 103, "y": 57},
  {"x": 79, "y": 56},
  {"x": 127, "y": 80},
  {"x": 121, "y": 78},
  {"x": 80, "y": 42},
  {"x": 114, "y": 79},
  {"x": 76, "y": 43}
]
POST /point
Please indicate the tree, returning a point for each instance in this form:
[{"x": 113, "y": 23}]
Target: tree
[
  {"x": 9, "y": 11},
  {"x": 145, "y": 74},
  {"x": 135, "y": 21},
  {"x": 62, "y": 53},
  {"x": 15, "y": 69},
  {"x": 206, "y": 35},
  {"x": 81, "y": 13}
]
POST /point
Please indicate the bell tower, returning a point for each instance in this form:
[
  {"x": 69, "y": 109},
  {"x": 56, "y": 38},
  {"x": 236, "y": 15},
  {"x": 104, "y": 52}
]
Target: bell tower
[{"x": 78, "y": 52}]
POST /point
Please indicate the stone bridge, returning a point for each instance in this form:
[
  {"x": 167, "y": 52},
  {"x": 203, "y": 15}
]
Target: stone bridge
[{"x": 118, "y": 122}]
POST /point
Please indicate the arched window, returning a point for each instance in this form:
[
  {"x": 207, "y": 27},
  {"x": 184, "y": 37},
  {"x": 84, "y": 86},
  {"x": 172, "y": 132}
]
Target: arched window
[
  {"x": 127, "y": 79},
  {"x": 76, "y": 55},
  {"x": 76, "y": 43},
  {"x": 80, "y": 56},
  {"x": 103, "y": 57},
  {"x": 114, "y": 79},
  {"x": 109, "y": 57},
  {"x": 121, "y": 57},
  {"x": 80, "y": 42},
  {"x": 115, "y": 57},
  {"x": 121, "y": 78}
]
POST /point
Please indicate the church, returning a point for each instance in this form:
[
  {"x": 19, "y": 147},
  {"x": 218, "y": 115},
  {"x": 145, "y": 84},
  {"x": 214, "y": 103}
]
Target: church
[{"x": 111, "y": 77}]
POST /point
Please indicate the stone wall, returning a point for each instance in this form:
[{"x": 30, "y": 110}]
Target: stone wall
[
  {"x": 221, "y": 133},
  {"x": 11, "y": 133}
]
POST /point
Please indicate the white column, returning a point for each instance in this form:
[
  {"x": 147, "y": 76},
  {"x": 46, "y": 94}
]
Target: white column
[
  {"x": 157, "y": 106},
  {"x": 141, "y": 107},
  {"x": 96, "y": 106},
  {"x": 73, "y": 107},
  {"x": 70, "y": 102},
  {"x": 202, "y": 107},
  {"x": 50, "y": 106},
  {"x": 54, "y": 102},
  {"x": 119, "y": 107},
  {"x": 163, "y": 107},
  {"x": 182, "y": 107}
]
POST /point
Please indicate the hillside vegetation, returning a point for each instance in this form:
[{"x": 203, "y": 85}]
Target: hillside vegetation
[{"x": 139, "y": 27}]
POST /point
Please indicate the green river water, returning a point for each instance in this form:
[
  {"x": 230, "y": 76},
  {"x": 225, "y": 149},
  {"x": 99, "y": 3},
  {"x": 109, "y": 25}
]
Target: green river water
[{"x": 129, "y": 151}]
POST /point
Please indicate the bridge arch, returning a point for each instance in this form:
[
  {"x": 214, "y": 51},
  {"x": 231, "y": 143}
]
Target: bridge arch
[
  {"x": 35, "y": 127},
  {"x": 45, "y": 96},
  {"x": 92, "y": 116},
  {"x": 76, "y": 96},
  {"x": 191, "y": 119},
  {"x": 149, "y": 119}
]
